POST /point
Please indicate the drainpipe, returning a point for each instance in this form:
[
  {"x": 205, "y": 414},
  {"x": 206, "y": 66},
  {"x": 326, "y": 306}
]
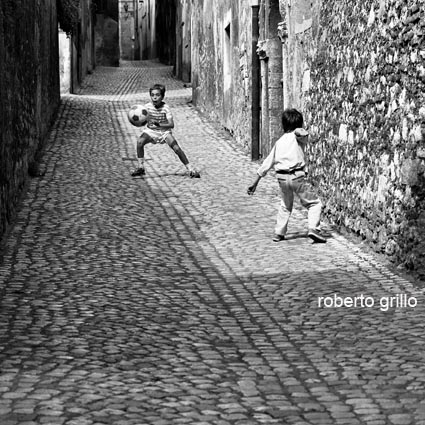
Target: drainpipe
[
  {"x": 284, "y": 33},
  {"x": 255, "y": 82}
]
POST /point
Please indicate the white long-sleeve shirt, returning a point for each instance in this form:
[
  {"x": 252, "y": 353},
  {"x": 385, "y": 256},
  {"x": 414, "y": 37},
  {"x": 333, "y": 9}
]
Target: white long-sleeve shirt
[{"x": 287, "y": 153}]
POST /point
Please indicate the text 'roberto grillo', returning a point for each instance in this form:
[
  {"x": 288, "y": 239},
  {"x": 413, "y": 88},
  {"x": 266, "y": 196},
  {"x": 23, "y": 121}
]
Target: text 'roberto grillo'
[{"x": 366, "y": 301}]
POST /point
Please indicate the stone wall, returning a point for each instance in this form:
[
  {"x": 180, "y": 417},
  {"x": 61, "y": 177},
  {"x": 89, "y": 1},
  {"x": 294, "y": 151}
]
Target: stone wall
[
  {"x": 356, "y": 70},
  {"x": 221, "y": 61},
  {"x": 362, "y": 92},
  {"x": 29, "y": 93}
]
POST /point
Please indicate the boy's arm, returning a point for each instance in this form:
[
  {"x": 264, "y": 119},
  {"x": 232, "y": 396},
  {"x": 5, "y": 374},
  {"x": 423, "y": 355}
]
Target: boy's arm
[
  {"x": 263, "y": 170},
  {"x": 302, "y": 136},
  {"x": 166, "y": 124},
  {"x": 267, "y": 163},
  {"x": 253, "y": 187}
]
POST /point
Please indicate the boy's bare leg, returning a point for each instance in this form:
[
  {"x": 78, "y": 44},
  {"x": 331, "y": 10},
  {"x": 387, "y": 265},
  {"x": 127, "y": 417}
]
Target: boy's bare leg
[
  {"x": 172, "y": 143},
  {"x": 143, "y": 140}
]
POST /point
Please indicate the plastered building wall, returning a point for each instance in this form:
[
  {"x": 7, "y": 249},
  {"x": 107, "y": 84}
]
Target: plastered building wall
[
  {"x": 127, "y": 21},
  {"x": 183, "y": 41},
  {"x": 83, "y": 41},
  {"x": 147, "y": 29},
  {"x": 221, "y": 58}
]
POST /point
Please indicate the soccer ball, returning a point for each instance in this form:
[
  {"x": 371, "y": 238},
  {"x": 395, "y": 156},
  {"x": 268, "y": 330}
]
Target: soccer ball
[{"x": 137, "y": 115}]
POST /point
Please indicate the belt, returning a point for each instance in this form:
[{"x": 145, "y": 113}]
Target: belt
[{"x": 289, "y": 171}]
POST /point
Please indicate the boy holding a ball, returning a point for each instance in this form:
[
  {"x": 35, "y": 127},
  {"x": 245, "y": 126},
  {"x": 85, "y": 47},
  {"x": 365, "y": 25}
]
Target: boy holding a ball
[{"x": 158, "y": 130}]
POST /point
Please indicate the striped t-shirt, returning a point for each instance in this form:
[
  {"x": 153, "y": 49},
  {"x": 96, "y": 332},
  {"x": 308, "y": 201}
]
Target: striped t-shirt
[{"x": 160, "y": 114}]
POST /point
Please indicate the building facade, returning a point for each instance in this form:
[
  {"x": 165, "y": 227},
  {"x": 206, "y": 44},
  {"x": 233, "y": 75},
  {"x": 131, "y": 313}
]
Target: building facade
[
  {"x": 29, "y": 93},
  {"x": 32, "y": 63},
  {"x": 354, "y": 68},
  {"x": 106, "y": 33},
  {"x": 356, "y": 71},
  {"x": 147, "y": 29},
  {"x": 361, "y": 85},
  {"x": 221, "y": 63},
  {"x": 83, "y": 45},
  {"x": 128, "y": 17}
]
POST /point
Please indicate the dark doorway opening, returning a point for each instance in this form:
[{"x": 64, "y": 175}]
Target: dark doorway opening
[{"x": 166, "y": 31}]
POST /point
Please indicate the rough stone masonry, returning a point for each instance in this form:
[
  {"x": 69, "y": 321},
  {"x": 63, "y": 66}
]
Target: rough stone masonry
[{"x": 365, "y": 106}]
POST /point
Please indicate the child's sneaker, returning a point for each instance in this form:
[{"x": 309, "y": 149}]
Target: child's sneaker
[
  {"x": 138, "y": 172},
  {"x": 316, "y": 236},
  {"x": 278, "y": 238}
]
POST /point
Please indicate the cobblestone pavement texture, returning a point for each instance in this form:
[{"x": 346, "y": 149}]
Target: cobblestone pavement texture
[{"x": 162, "y": 300}]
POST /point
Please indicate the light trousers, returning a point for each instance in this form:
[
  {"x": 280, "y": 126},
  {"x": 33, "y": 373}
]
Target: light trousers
[{"x": 291, "y": 185}]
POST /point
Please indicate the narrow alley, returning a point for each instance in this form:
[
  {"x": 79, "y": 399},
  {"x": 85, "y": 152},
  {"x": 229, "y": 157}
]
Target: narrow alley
[{"x": 162, "y": 300}]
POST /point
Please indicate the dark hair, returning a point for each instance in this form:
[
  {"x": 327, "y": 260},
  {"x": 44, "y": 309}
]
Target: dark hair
[
  {"x": 291, "y": 119},
  {"x": 159, "y": 87}
]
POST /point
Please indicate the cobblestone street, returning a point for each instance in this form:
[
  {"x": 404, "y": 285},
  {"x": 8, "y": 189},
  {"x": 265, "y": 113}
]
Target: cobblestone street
[{"x": 162, "y": 300}]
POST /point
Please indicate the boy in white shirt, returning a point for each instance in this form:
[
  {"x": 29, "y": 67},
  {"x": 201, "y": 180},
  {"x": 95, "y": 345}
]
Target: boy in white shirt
[{"x": 288, "y": 159}]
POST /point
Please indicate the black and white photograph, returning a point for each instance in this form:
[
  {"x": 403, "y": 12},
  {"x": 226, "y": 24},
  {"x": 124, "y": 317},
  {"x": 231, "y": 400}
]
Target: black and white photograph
[{"x": 212, "y": 212}]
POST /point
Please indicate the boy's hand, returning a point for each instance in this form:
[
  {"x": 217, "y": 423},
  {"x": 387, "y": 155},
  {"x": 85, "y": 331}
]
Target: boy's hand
[{"x": 251, "y": 189}]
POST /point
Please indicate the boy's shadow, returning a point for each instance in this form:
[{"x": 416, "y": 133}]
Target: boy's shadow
[
  {"x": 166, "y": 174},
  {"x": 304, "y": 235},
  {"x": 169, "y": 174},
  {"x": 296, "y": 235}
]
